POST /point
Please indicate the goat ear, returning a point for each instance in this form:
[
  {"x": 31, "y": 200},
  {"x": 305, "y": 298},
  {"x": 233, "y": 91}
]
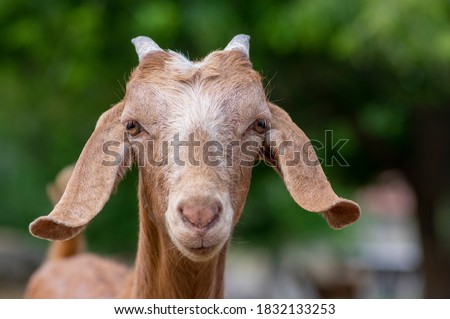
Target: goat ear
[
  {"x": 291, "y": 152},
  {"x": 240, "y": 42},
  {"x": 91, "y": 182},
  {"x": 56, "y": 189}
]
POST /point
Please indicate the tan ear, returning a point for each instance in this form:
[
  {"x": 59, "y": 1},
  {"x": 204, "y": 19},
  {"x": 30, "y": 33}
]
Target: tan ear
[
  {"x": 91, "y": 182},
  {"x": 56, "y": 189},
  {"x": 291, "y": 152}
]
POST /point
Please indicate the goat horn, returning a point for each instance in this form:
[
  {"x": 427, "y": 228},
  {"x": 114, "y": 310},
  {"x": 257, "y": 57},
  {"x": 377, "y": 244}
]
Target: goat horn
[
  {"x": 240, "y": 42},
  {"x": 144, "y": 45}
]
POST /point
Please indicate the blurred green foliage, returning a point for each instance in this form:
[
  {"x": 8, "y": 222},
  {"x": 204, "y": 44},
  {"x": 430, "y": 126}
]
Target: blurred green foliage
[{"x": 358, "y": 67}]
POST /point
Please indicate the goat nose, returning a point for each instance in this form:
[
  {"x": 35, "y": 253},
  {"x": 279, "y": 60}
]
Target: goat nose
[{"x": 200, "y": 216}]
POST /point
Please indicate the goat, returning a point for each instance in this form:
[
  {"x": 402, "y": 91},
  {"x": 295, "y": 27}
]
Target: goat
[{"x": 188, "y": 205}]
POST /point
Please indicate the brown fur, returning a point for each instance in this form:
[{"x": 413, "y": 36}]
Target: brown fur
[{"x": 220, "y": 98}]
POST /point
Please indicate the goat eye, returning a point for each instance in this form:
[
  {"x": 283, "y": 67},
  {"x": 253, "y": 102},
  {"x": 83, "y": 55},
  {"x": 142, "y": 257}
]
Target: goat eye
[
  {"x": 133, "y": 128},
  {"x": 260, "y": 126}
]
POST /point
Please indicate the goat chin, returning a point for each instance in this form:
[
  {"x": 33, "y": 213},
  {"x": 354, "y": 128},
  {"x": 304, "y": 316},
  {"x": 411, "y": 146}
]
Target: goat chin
[{"x": 199, "y": 254}]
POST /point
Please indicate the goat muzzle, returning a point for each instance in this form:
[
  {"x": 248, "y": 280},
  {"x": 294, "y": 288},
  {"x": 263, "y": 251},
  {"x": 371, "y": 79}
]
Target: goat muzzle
[{"x": 200, "y": 216}]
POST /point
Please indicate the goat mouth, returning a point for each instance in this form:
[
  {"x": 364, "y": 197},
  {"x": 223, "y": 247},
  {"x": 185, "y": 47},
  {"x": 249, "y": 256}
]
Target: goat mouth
[{"x": 202, "y": 250}]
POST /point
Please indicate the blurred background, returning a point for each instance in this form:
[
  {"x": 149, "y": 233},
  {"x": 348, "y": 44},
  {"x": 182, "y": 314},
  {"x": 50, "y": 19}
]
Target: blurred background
[{"x": 376, "y": 73}]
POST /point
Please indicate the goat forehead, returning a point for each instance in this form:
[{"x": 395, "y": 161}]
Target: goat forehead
[
  {"x": 181, "y": 63},
  {"x": 187, "y": 96},
  {"x": 199, "y": 108}
]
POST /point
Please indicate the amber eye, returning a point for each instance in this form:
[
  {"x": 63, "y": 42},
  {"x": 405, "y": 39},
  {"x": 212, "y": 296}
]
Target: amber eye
[
  {"x": 260, "y": 126},
  {"x": 133, "y": 128}
]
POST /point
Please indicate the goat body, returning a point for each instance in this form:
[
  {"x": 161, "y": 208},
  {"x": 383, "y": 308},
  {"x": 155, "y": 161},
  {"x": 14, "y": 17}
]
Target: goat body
[{"x": 188, "y": 203}]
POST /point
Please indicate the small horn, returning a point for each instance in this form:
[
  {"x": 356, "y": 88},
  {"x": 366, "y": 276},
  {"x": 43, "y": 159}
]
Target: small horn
[
  {"x": 144, "y": 45},
  {"x": 241, "y": 42}
]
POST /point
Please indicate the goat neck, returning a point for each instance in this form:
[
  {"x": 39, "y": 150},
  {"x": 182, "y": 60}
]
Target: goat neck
[{"x": 161, "y": 271}]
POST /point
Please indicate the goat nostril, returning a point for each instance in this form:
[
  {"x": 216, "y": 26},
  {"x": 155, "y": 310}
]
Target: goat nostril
[{"x": 219, "y": 208}]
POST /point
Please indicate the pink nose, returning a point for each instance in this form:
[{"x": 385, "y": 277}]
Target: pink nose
[{"x": 201, "y": 216}]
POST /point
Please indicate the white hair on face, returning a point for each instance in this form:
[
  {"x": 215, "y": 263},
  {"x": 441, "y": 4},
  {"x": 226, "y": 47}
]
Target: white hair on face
[
  {"x": 181, "y": 63},
  {"x": 192, "y": 106}
]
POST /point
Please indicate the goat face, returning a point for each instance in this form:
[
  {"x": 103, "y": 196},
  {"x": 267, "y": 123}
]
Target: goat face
[
  {"x": 195, "y": 130},
  {"x": 196, "y": 119}
]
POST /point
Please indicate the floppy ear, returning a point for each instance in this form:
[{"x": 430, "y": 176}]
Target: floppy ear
[
  {"x": 55, "y": 190},
  {"x": 92, "y": 180},
  {"x": 291, "y": 152}
]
